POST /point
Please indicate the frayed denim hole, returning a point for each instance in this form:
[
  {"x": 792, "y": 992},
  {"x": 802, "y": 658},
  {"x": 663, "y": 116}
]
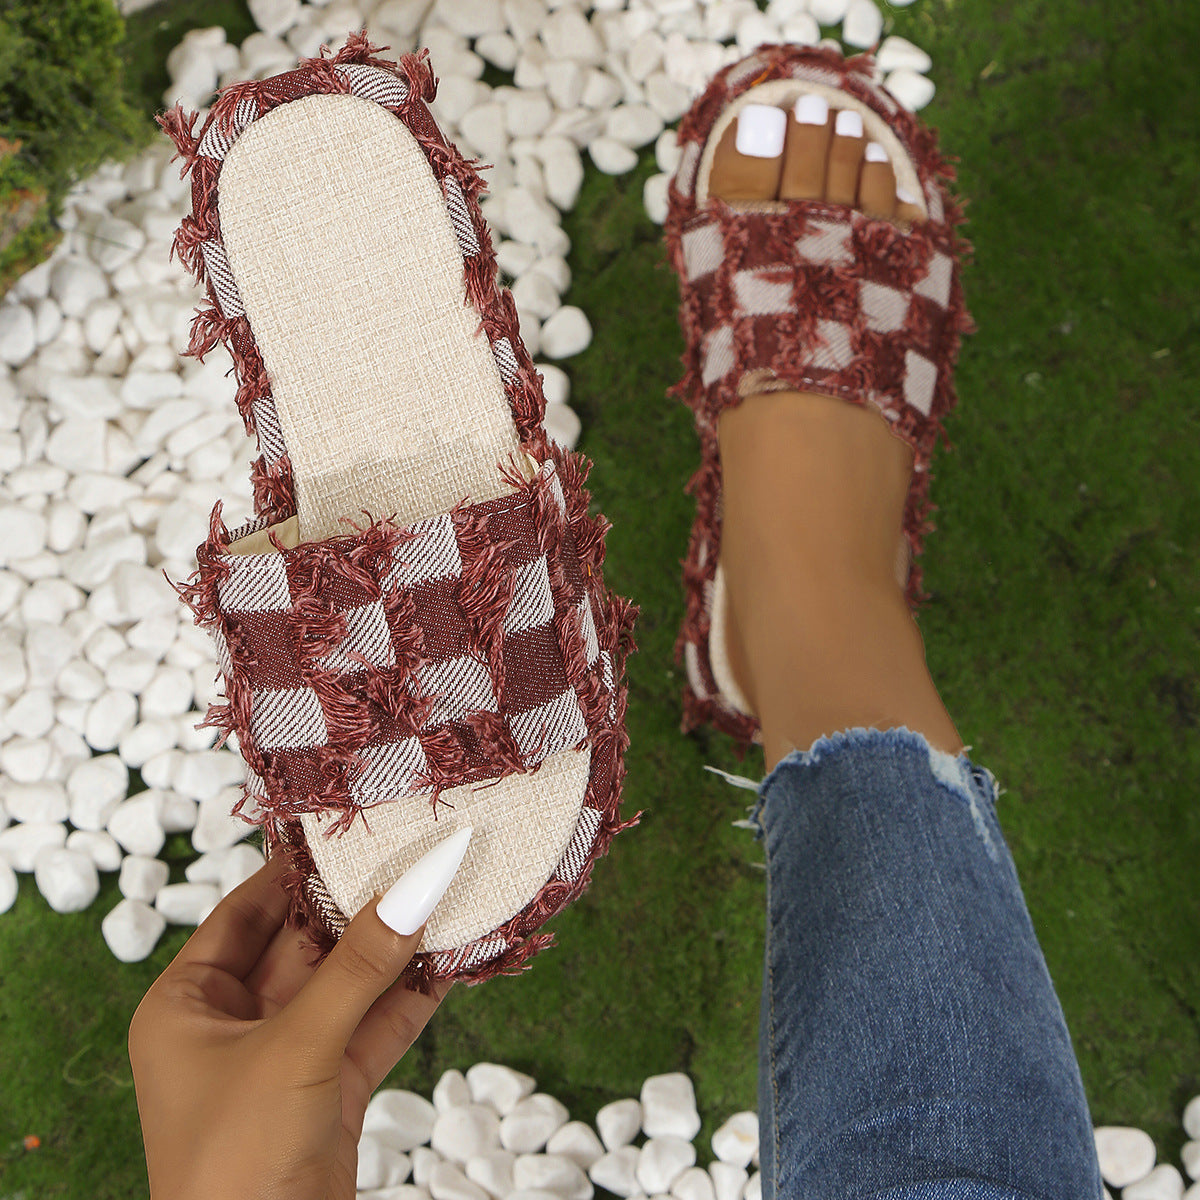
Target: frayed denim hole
[{"x": 959, "y": 777}]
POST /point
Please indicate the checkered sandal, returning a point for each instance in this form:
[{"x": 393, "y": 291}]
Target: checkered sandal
[
  {"x": 812, "y": 296},
  {"x": 464, "y": 667}
]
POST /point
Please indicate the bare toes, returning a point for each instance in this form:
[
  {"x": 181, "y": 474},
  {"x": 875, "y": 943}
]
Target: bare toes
[
  {"x": 749, "y": 157},
  {"x": 809, "y": 130},
  {"x": 845, "y": 157},
  {"x": 877, "y": 183}
]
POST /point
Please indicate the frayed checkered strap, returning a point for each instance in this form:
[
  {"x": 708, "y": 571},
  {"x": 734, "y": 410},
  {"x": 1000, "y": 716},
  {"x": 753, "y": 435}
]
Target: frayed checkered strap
[
  {"x": 393, "y": 661},
  {"x": 821, "y": 296}
]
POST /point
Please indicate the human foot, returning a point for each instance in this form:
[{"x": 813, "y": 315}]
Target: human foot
[
  {"x": 841, "y": 527},
  {"x": 825, "y": 277}
]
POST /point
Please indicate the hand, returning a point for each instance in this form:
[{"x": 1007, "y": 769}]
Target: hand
[{"x": 252, "y": 1069}]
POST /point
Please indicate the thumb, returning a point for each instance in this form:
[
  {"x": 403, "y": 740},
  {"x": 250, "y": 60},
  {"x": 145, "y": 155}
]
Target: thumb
[{"x": 375, "y": 947}]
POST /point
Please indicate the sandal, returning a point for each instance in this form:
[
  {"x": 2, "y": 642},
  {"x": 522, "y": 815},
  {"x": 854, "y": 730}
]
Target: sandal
[
  {"x": 811, "y": 296},
  {"x": 454, "y": 659}
]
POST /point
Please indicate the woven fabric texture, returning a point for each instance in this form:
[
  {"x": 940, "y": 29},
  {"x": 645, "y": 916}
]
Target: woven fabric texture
[
  {"x": 817, "y": 297},
  {"x": 375, "y": 671}
]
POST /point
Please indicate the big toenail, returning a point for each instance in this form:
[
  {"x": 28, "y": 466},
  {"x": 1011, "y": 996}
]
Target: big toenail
[
  {"x": 875, "y": 153},
  {"x": 812, "y": 109},
  {"x": 849, "y": 124},
  {"x": 761, "y": 130}
]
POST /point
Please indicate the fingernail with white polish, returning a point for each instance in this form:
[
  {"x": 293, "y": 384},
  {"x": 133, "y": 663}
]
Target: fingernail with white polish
[
  {"x": 849, "y": 124},
  {"x": 812, "y": 109},
  {"x": 875, "y": 153},
  {"x": 905, "y": 196},
  {"x": 760, "y": 131},
  {"x": 406, "y": 905}
]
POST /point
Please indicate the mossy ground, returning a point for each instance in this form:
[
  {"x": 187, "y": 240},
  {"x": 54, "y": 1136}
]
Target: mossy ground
[{"x": 1062, "y": 633}]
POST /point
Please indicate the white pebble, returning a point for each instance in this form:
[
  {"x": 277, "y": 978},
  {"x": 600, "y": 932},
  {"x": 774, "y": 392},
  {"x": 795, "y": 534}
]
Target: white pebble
[
  {"x": 401, "y": 1118},
  {"x": 423, "y": 1162},
  {"x": 669, "y": 1107},
  {"x": 132, "y": 930},
  {"x": 24, "y": 533},
  {"x": 564, "y": 83},
  {"x": 9, "y": 886},
  {"x": 462, "y": 1132},
  {"x": 1191, "y": 1118},
  {"x": 737, "y": 1139},
  {"x": 498, "y": 1086},
  {"x": 828, "y": 12},
  {"x": 600, "y": 90},
  {"x": 662, "y": 1161},
  {"x": 556, "y": 386},
  {"x": 669, "y": 99},
  {"x": 616, "y": 1171},
  {"x": 566, "y": 34},
  {"x": 447, "y": 1182},
  {"x": 566, "y": 333},
  {"x": 577, "y": 1141},
  {"x": 633, "y": 125},
  {"x": 753, "y": 1187},
  {"x": 612, "y": 157},
  {"x": 111, "y": 715},
  {"x": 168, "y": 694},
  {"x": 21, "y": 844},
  {"x": 500, "y": 49},
  {"x": 563, "y": 175},
  {"x": 862, "y": 24},
  {"x": 186, "y": 903},
  {"x": 26, "y": 760},
  {"x": 527, "y": 113},
  {"x": 142, "y": 877},
  {"x": 1189, "y": 1155},
  {"x": 1163, "y": 1183},
  {"x": 241, "y": 862},
  {"x": 694, "y": 1184},
  {"x": 654, "y": 197},
  {"x": 492, "y": 1170},
  {"x": 728, "y": 1181},
  {"x": 202, "y": 776},
  {"x": 135, "y": 824},
  {"x": 75, "y": 283},
  {"x": 44, "y": 800},
  {"x": 912, "y": 90},
  {"x": 18, "y": 335},
  {"x": 99, "y": 846},
  {"x": 552, "y": 1173},
  {"x": 1125, "y": 1154},
  {"x": 31, "y": 715},
  {"x": 534, "y": 293},
  {"x": 531, "y": 1123},
  {"x": 274, "y": 16},
  {"x": 619, "y": 1122},
  {"x": 66, "y": 878},
  {"x": 900, "y": 52},
  {"x": 485, "y": 127}
]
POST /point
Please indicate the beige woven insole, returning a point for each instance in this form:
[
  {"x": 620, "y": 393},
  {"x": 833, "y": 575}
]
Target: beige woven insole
[
  {"x": 351, "y": 275},
  {"x": 783, "y": 93}
]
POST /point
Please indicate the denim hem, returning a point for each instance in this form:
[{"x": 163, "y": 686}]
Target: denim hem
[{"x": 967, "y": 780}]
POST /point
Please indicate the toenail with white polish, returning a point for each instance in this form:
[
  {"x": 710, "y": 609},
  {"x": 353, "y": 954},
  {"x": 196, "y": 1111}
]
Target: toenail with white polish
[
  {"x": 904, "y": 195},
  {"x": 761, "y": 130},
  {"x": 849, "y": 124},
  {"x": 875, "y": 153},
  {"x": 812, "y": 109}
]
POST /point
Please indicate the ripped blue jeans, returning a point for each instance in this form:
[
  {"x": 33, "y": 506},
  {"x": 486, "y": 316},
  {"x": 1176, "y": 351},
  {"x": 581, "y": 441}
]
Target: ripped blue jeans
[{"x": 911, "y": 1045}]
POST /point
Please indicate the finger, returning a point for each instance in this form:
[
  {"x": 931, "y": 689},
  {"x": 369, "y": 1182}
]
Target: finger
[
  {"x": 391, "y": 1026},
  {"x": 369, "y": 957},
  {"x": 234, "y": 935}
]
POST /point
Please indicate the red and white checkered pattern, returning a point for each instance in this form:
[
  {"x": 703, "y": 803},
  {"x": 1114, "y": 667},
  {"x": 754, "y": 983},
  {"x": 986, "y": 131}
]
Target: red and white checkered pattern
[
  {"x": 306, "y": 638},
  {"x": 819, "y": 295}
]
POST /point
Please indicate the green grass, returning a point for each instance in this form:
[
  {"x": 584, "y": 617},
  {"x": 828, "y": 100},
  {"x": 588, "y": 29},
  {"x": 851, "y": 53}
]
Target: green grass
[{"x": 1062, "y": 633}]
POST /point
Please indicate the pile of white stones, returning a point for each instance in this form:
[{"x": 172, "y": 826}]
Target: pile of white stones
[
  {"x": 489, "y": 1136},
  {"x": 113, "y": 448}
]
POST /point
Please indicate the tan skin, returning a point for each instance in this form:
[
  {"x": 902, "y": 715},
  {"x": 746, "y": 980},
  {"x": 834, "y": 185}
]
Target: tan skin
[{"x": 253, "y": 1071}]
